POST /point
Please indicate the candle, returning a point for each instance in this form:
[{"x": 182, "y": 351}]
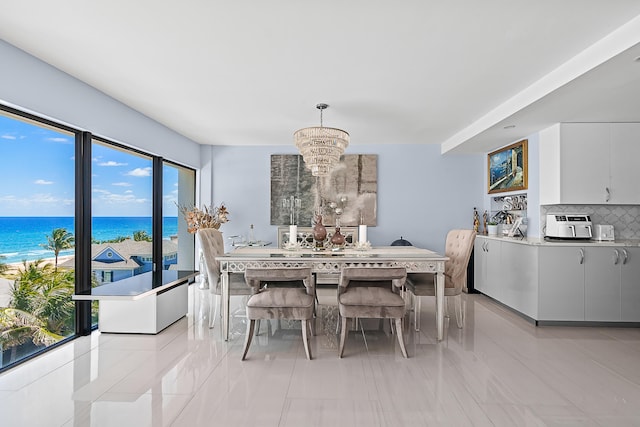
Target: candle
[
  {"x": 362, "y": 233},
  {"x": 293, "y": 233}
]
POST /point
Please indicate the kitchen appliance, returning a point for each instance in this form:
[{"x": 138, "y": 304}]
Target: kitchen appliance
[
  {"x": 568, "y": 226},
  {"x": 603, "y": 232}
]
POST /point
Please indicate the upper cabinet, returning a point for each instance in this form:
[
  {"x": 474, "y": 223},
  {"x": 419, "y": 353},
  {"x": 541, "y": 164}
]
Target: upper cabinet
[{"x": 590, "y": 163}]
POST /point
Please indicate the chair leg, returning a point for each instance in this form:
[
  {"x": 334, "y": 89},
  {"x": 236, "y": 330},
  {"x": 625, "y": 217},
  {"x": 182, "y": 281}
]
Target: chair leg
[
  {"x": 343, "y": 337},
  {"x": 257, "y": 327},
  {"x": 215, "y": 310},
  {"x": 446, "y": 307},
  {"x": 401, "y": 337},
  {"x": 458, "y": 307},
  {"x": 305, "y": 338},
  {"x": 247, "y": 339}
]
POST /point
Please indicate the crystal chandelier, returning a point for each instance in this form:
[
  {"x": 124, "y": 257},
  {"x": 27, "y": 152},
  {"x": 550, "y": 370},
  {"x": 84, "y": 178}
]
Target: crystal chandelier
[{"x": 321, "y": 147}]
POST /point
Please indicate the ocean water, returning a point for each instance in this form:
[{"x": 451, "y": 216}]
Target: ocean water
[{"x": 21, "y": 237}]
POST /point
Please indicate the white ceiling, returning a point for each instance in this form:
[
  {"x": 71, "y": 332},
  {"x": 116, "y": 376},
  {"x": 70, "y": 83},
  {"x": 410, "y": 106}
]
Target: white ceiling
[{"x": 408, "y": 71}]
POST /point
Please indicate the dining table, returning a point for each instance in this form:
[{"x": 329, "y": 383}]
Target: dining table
[{"x": 328, "y": 261}]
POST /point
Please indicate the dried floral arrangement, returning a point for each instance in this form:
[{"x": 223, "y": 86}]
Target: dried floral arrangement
[{"x": 207, "y": 217}]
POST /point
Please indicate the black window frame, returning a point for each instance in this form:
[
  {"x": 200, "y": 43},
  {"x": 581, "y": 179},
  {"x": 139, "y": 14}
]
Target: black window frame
[{"x": 82, "y": 212}]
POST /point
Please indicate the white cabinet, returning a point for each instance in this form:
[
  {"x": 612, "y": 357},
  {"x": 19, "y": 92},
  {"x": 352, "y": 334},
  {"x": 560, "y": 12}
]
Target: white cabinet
[
  {"x": 625, "y": 173},
  {"x": 561, "y": 283},
  {"x": 487, "y": 272},
  {"x": 602, "y": 284},
  {"x": 630, "y": 285},
  {"x": 612, "y": 284},
  {"x": 590, "y": 163},
  {"x": 520, "y": 277},
  {"x": 584, "y": 156}
]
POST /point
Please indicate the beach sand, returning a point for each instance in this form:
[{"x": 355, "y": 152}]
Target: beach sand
[{"x": 6, "y": 281}]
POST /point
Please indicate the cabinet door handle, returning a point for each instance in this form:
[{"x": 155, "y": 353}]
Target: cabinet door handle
[
  {"x": 581, "y": 256},
  {"x": 608, "y": 195},
  {"x": 626, "y": 256},
  {"x": 617, "y": 259}
]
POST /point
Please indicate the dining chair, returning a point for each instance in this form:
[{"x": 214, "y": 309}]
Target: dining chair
[
  {"x": 458, "y": 247},
  {"x": 212, "y": 245},
  {"x": 371, "y": 293},
  {"x": 280, "y": 293}
]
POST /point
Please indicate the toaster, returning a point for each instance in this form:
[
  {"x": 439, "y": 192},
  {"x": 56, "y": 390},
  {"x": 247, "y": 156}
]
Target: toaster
[
  {"x": 568, "y": 226},
  {"x": 603, "y": 232}
]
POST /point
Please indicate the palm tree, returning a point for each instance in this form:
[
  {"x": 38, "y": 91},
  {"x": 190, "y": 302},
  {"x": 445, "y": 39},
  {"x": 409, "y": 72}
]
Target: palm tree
[
  {"x": 41, "y": 310},
  {"x": 59, "y": 240},
  {"x": 141, "y": 236}
]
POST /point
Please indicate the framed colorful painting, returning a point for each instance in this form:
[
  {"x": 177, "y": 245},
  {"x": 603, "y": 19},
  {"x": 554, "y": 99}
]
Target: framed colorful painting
[{"x": 507, "y": 168}]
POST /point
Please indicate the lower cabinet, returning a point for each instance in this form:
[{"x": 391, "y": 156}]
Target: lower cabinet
[
  {"x": 630, "y": 285},
  {"x": 612, "y": 284},
  {"x": 602, "y": 288},
  {"x": 520, "y": 278},
  {"x": 487, "y": 267},
  {"x": 561, "y": 283}
]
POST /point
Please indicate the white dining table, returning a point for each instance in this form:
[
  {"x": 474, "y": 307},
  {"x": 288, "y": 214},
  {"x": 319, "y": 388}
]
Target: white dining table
[{"x": 415, "y": 260}]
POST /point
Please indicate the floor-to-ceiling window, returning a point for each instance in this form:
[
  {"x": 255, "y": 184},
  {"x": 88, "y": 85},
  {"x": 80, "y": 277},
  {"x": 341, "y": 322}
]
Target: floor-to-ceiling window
[
  {"x": 178, "y": 190},
  {"x": 37, "y": 237},
  {"x": 64, "y": 193},
  {"x": 121, "y": 213}
]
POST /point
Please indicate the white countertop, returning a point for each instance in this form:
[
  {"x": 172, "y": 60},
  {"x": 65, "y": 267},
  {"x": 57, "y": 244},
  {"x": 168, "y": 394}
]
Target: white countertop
[{"x": 542, "y": 242}]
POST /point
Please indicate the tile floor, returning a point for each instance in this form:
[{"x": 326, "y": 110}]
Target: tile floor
[{"x": 498, "y": 371}]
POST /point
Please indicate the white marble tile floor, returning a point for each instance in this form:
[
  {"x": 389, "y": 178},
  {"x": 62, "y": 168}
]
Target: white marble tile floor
[{"x": 499, "y": 370}]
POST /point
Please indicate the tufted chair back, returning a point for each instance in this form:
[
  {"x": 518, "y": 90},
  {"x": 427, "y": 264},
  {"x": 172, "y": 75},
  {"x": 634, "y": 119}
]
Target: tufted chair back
[
  {"x": 458, "y": 247},
  {"x": 212, "y": 245}
]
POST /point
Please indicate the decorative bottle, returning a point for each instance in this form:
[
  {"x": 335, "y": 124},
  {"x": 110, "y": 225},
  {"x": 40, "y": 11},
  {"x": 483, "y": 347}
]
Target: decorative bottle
[
  {"x": 319, "y": 233},
  {"x": 337, "y": 240}
]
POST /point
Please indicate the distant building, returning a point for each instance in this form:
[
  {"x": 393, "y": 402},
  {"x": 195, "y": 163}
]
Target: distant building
[{"x": 111, "y": 262}]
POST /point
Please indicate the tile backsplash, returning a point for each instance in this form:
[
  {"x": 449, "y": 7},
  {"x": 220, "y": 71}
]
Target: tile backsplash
[{"x": 624, "y": 218}]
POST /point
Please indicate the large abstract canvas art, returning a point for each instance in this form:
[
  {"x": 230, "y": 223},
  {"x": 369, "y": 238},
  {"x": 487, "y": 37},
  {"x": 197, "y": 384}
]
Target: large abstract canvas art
[{"x": 346, "y": 197}]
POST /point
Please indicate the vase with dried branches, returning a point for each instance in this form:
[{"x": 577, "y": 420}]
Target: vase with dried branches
[{"x": 207, "y": 217}]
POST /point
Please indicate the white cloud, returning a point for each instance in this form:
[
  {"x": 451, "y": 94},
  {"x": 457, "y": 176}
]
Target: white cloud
[
  {"x": 58, "y": 139},
  {"x": 140, "y": 172},
  {"x": 7, "y": 137},
  {"x": 115, "y": 198},
  {"x": 42, "y": 182},
  {"x": 111, "y": 163},
  {"x": 122, "y": 184}
]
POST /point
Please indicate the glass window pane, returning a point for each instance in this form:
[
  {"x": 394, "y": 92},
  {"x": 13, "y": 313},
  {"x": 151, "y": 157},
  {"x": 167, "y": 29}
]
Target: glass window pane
[
  {"x": 37, "y": 270},
  {"x": 178, "y": 190},
  {"x": 121, "y": 209}
]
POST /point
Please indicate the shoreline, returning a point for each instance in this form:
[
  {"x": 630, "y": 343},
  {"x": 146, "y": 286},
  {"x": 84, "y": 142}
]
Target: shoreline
[{"x": 13, "y": 267}]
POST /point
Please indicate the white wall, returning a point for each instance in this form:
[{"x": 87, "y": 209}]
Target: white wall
[
  {"x": 32, "y": 85},
  {"x": 421, "y": 194}
]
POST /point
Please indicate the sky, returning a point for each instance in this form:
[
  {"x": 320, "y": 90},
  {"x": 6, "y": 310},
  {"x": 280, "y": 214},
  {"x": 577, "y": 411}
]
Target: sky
[{"x": 37, "y": 175}]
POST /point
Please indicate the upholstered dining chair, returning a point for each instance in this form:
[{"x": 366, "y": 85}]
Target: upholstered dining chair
[
  {"x": 280, "y": 293},
  {"x": 458, "y": 247},
  {"x": 212, "y": 245},
  {"x": 371, "y": 293}
]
